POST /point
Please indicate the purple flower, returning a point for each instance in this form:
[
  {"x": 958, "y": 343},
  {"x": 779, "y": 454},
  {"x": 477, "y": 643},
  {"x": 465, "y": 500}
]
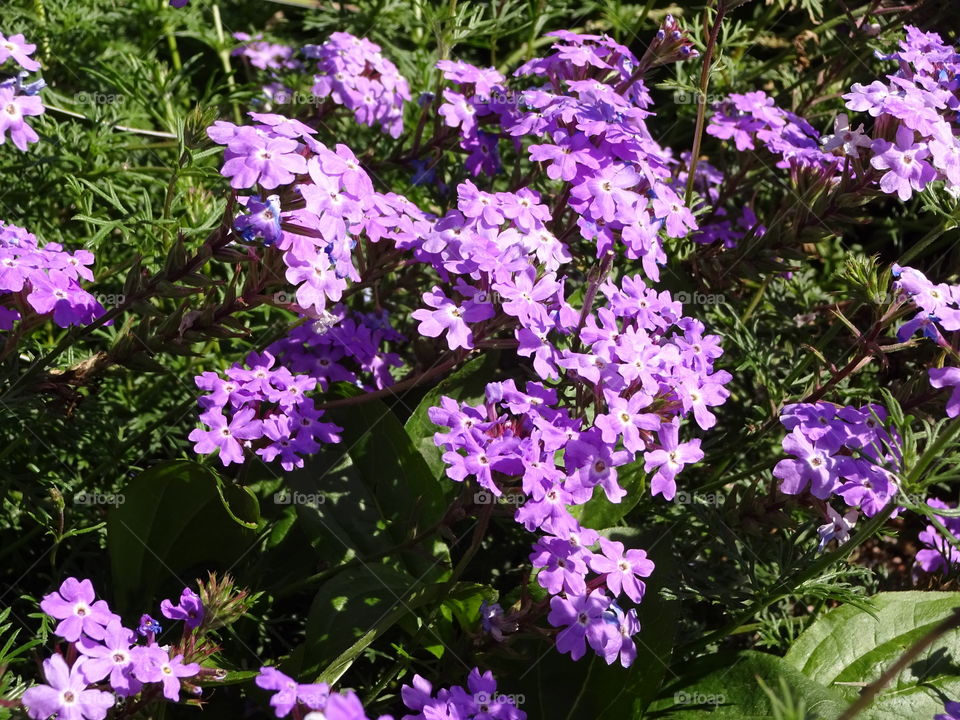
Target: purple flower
[
  {"x": 837, "y": 528},
  {"x": 622, "y": 568},
  {"x": 567, "y": 158},
  {"x": 148, "y": 627},
  {"x": 904, "y": 161},
  {"x": 669, "y": 459},
  {"x": 17, "y": 47},
  {"x": 451, "y": 318},
  {"x": 563, "y": 566},
  {"x": 952, "y": 712},
  {"x": 850, "y": 140},
  {"x": 153, "y": 664},
  {"x": 620, "y": 638},
  {"x": 479, "y": 700},
  {"x": 625, "y": 419},
  {"x": 269, "y": 161},
  {"x": 13, "y": 109},
  {"x": 74, "y": 606},
  {"x": 65, "y": 694},
  {"x": 224, "y": 435},
  {"x": 288, "y": 692},
  {"x": 190, "y": 609},
  {"x": 948, "y": 377},
  {"x": 938, "y": 553},
  {"x": 815, "y": 466},
  {"x": 607, "y": 195},
  {"x": 112, "y": 658},
  {"x": 492, "y": 620},
  {"x": 583, "y": 616},
  {"x": 261, "y": 221}
]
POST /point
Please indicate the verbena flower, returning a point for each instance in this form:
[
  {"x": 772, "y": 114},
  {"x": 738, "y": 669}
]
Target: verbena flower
[
  {"x": 288, "y": 693},
  {"x": 479, "y": 700},
  {"x": 353, "y": 72},
  {"x": 190, "y": 609},
  {"x": 74, "y": 605},
  {"x": 66, "y": 694},
  {"x": 111, "y": 657},
  {"x": 46, "y": 278},
  {"x": 265, "y": 405},
  {"x": 845, "y": 451}
]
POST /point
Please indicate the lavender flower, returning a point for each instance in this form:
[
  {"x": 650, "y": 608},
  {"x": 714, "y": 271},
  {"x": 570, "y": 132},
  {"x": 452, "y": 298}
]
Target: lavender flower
[
  {"x": 190, "y": 609},
  {"x": 74, "y": 605},
  {"x": 66, "y": 694}
]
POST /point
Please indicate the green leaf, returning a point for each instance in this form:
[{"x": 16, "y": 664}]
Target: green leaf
[
  {"x": 176, "y": 519},
  {"x": 344, "y": 612},
  {"x": 728, "y": 687},
  {"x": 409, "y": 496},
  {"x": 233, "y": 677},
  {"x": 468, "y": 384},
  {"x": 599, "y": 512},
  {"x": 374, "y": 492},
  {"x": 850, "y": 645}
]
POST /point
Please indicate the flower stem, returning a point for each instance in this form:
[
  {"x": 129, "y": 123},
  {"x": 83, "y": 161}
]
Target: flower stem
[{"x": 702, "y": 105}]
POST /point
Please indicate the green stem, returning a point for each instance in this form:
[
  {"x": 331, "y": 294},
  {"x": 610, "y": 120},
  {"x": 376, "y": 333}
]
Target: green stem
[
  {"x": 873, "y": 689},
  {"x": 758, "y": 296},
  {"x": 224, "y": 55},
  {"x": 702, "y": 104},
  {"x": 922, "y": 244}
]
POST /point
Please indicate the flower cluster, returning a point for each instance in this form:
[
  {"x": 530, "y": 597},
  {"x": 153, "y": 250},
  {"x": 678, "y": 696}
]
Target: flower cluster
[
  {"x": 331, "y": 192},
  {"x": 265, "y": 55},
  {"x": 18, "y": 98},
  {"x": 270, "y": 62},
  {"x": 590, "y": 121},
  {"x": 938, "y": 311},
  {"x": 481, "y": 98},
  {"x": 498, "y": 241},
  {"x": 845, "y": 451},
  {"x": 647, "y": 367},
  {"x": 915, "y": 117},
  {"x": 43, "y": 279},
  {"x": 478, "y": 701},
  {"x": 752, "y": 118},
  {"x": 108, "y": 656},
  {"x": 352, "y": 72},
  {"x": 939, "y": 554},
  {"x": 260, "y": 406},
  {"x": 343, "y": 346}
]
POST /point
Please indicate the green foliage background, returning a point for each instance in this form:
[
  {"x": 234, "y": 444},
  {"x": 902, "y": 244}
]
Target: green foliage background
[{"x": 354, "y": 590}]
